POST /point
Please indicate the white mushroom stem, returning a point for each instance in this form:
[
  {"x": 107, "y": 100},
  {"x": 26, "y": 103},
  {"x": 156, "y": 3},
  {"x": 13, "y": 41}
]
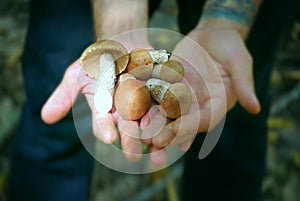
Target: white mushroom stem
[
  {"x": 103, "y": 97},
  {"x": 125, "y": 76},
  {"x": 159, "y": 56},
  {"x": 156, "y": 71}
]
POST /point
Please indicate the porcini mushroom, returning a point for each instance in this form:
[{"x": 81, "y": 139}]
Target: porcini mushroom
[
  {"x": 140, "y": 64},
  {"x": 132, "y": 98},
  {"x": 103, "y": 60},
  {"x": 174, "y": 99},
  {"x": 89, "y": 59},
  {"x": 170, "y": 71}
]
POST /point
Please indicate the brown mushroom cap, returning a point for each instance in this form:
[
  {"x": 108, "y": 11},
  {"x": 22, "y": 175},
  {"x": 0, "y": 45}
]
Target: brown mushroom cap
[
  {"x": 140, "y": 64},
  {"x": 132, "y": 99},
  {"x": 172, "y": 71},
  {"x": 176, "y": 101},
  {"x": 89, "y": 59}
]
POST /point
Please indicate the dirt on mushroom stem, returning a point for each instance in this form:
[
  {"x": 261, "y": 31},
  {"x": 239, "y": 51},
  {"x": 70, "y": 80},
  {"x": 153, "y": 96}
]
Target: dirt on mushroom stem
[{"x": 174, "y": 99}]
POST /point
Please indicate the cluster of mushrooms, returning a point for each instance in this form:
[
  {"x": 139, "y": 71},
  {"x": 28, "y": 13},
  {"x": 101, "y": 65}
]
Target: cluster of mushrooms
[{"x": 133, "y": 81}]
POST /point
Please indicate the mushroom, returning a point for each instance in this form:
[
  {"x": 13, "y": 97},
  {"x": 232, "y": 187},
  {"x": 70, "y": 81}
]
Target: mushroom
[
  {"x": 159, "y": 56},
  {"x": 174, "y": 99},
  {"x": 140, "y": 64},
  {"x": 170, "y": 71},
  {"x": 103, "y": 60},
  {"x": 89, "y": 59},
  {"x": 132, "y": 98}
]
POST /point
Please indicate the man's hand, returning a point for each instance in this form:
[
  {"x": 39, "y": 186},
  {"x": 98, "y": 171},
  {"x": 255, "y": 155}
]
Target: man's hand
[
  {"x": 217, "y": 85},
  {"x": 221, "y": 32},
  {"x": 104, "y": 127},
  {"x": 109, "y": 21}
]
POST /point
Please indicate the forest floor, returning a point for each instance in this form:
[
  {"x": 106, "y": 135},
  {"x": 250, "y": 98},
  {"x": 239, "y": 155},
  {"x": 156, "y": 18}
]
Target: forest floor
[{"x": 282, "y": 180}]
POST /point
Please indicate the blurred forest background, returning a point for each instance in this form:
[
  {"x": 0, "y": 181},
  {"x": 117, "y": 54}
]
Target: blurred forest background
[{"x": 282, "y": 181}]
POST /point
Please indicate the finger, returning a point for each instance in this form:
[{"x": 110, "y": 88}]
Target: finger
[
  {"x": 240, "y": 68},
  {"x": 243, "y": 83},
  {"x": 164, "y": 137},
  {"x": 129, "y": 128},
  {"x": 106, "y": 128},
  {"x": 183, "y": 141},
  {"x": 158, "y": 156},
  {"x": 103, "y": 125},
  {"x": 61, "y": 100},
  {"x": 187, "y": 126},
  {"x": 157, "y": 122},
  {"x": 184, "y": 146},
  {"x": 98, "y": 133},
  {"x": 96, "y": 130},
  {"x": 130, "y": 141},
  {"x": 178, "y": 132},
  {"x": 132, "y": 148},
  {"x": 146, "y": 119},
  {"x": 178, "y": 140}
]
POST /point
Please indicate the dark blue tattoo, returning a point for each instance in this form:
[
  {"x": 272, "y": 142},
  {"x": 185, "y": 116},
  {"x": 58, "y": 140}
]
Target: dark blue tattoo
[{"x": 242, "y": 11}]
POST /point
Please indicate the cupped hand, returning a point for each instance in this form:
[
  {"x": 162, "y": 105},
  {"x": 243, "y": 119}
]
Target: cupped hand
[
  {"x": 218, "y": 79},
  {"x": 105, "y": 127}
]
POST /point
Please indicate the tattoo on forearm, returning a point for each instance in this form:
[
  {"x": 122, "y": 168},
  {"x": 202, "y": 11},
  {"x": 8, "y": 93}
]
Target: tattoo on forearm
[{"x": 242, "y": 11}]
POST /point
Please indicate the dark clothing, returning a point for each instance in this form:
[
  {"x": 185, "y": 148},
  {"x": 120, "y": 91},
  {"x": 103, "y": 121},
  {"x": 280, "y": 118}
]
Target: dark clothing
[
  {"x": 49, "y": 161},
  {"x": 234, "y": 170}
]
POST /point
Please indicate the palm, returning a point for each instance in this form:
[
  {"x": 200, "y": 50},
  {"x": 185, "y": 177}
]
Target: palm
[
  {"x": 104, "y": 127},
  {"x": 214, "y": 79}
]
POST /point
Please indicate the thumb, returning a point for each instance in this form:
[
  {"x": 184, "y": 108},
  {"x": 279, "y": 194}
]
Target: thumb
[
  {"x": 243, "y": 82},
  {"x": 61, "y": 100},
  {"x": 233, "y": 54}
]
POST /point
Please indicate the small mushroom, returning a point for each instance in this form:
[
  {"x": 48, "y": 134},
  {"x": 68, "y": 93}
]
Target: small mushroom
[
  {"x": 132, "y": 99},
  {"x": 174, "y": 99},
  {"x": 89, "y": 59},
  {"x": 103, "y": 60},
  {"x": 140, "y": 64},
  {"x": 171, "y": 71}
]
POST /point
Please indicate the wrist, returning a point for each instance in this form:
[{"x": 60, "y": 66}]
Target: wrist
[
  {"x": 229, "y": 14},
  {"x": 112, "y": 17},
  {"x": 218, "y": 24}
]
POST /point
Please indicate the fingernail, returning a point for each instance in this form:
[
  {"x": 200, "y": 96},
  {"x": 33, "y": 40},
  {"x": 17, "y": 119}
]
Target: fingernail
[
  {"x": 108, "y": 137},
  {"x": 257, "y": 105}
]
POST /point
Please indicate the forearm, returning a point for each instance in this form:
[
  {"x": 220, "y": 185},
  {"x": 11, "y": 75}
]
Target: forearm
[
  {"x": 112, "y": 17},
  {"x": 236, "y": 14}
]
